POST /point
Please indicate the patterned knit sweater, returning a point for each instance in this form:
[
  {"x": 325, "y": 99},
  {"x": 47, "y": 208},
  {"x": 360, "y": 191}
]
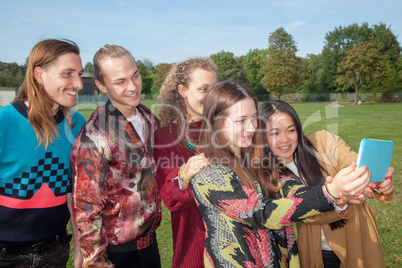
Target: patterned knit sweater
[
  {"x": 34, "y": 181},
  {"x": 245, "y": 228}
]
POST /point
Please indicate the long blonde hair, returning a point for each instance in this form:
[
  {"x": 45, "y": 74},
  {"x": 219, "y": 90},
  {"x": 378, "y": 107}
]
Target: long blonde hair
[{"x": 42, "y": 121}]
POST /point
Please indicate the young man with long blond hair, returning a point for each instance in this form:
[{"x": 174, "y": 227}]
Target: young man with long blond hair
[{"x": 38, "y": 130}]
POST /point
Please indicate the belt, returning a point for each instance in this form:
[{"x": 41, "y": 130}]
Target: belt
[
  {"x": 128, "y": 246},
  {"x": 38, "y": 248}
]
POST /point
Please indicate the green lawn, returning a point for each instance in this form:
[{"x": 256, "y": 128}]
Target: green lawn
[{"x": 352, "y": 123}]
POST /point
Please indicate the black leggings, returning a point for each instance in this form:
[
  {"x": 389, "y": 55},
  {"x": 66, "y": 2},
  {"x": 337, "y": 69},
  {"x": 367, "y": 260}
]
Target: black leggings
[{"x": 330, "y": 259}]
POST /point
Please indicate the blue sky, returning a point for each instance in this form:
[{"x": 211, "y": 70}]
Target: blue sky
[{"x": 169, "y": 31}]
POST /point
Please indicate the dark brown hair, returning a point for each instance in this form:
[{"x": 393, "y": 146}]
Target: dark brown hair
[
  {"x": 306, "y": 161},
  {"x": 216, "y": 106}
]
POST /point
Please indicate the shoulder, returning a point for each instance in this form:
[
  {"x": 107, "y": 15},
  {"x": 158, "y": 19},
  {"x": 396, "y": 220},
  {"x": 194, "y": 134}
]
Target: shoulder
[
  {"x": 147, "y": 112},
  {"x": 77, "y": 117},
  {"x": 166, "y": 134},
  {"x": 92, "y": 125},
  {"x": 214, "y": 174},
  {"x": 213, "y": 169},
  {"x": 322, "y": 139},
  {"x": 9, "y": 115},
  {"x": 5, "y": 110}
]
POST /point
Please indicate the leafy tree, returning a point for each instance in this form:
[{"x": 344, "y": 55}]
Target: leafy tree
[
  {"x": 146, "y": 77},
  {"x": 11, "y": 74},
  {"x": 386, "y": 42},
  {"x": 161, "y": 72},
  {"x": 148, "y": 64},
  {"x": 343, "y": 39},
  {"x": 280, "y": 68},
  {"x": 253, "y": 62},
  {"x": 242, "y": 76},
  {"x": 363, "y": 64},
  {"x": 89, "y": 67},
  {"x": 227, "y": 68},
  {"x": 312, "y": 74}
]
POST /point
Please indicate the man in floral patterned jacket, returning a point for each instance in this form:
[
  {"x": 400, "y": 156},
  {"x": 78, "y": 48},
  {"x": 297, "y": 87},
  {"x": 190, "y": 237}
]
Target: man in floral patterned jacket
[{"x": 115, "y": 199}]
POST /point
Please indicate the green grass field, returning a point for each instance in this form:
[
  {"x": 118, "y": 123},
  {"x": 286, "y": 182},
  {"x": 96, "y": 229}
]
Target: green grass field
[{"x": 352, "y": 123}]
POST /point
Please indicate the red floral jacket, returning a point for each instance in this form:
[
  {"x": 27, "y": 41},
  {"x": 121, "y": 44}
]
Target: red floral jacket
[{"x": 115, "y": 197}]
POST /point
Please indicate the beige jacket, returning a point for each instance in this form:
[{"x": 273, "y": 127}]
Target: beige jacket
[{"x": 357, "y": 244}]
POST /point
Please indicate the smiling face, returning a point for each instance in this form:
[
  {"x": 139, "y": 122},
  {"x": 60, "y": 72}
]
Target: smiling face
[
  {"x": 122, "y": 83},
  {"x": 61, "y": 79},
  {"x": 240, "y": 124},
  {"x": 282, "y": 136},
  {"x": 200, "y": 82}
]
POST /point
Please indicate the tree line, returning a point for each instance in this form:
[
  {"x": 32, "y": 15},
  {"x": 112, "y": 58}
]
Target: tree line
[{"x": 355, "y": 58}]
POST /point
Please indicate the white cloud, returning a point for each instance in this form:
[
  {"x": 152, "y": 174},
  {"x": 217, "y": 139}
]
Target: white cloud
[{"x": 290, "y": 27}]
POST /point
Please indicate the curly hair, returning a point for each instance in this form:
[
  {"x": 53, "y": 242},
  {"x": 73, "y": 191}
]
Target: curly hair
[{"x": 173, "y": 107}]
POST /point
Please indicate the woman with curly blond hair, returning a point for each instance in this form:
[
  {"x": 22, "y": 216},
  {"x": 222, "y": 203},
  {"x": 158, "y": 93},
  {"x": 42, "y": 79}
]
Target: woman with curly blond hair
[{"x": 177, "y": 156}]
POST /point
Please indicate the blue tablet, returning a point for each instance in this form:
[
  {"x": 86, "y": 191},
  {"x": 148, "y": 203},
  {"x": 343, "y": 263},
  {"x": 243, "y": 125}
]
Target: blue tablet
[{"x": 376, "y": 155}]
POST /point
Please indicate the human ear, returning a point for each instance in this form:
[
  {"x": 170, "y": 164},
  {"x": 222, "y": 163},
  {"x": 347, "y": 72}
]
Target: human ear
[
  {"x": 182, "y": 90},
  {"x": 100, "y": 86},
  {"x": 38, "y": 74}
]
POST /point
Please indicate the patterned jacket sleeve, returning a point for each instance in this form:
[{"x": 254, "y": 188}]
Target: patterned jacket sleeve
[
  {"x": 221, "y": 189},
  {"x": 90, "y": 179}
]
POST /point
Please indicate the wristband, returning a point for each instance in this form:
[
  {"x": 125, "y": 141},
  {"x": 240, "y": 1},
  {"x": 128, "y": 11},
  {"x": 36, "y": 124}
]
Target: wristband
[
  {"x": 329, "y": 199},
  {"x": 329, "y": 193},
  {"x": 181, "y": 176}
]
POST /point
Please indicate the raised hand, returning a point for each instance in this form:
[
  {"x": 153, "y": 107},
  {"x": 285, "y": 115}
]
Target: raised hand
[
  {"x": 350, "y": 181},
  {"x": 194, "y": 165}
]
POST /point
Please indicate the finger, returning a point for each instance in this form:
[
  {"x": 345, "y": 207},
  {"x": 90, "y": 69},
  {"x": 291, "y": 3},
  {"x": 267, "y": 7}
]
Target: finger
[
  {"x": 348, "y": 169},
  {"x": 352, "y": 175},
  {"x": 389, "y": 191},
  {"x": 387, "y": 187},
  {"x": 358, "y": 185},
  {"x": 329, "y": 179},
  {"x": 353, "y": 166},
  {"x": 351, "y": 200},
  {"x": 343, "y": 199},
  {"x": 361, "y": 170},
  {"x": 385, "y": 183},
  {"x": 361, "y": 197},
  {"x": 390, "y": 172},
  {"x": 355, "y": 201},
  {"x": 368, "y": 192}
]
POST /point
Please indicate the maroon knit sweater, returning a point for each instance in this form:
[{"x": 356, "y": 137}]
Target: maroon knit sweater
[{"x": 187, "y": 224}]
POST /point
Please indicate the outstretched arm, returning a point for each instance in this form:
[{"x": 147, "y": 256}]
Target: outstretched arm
[{"x": 219, "y": 188}]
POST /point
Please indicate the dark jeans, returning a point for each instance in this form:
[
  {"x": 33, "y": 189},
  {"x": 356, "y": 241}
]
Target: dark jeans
[
  {"x": 330, "y": 259},
  {"x": 54, "y": 257},
  {"x": 144, "y": 258}
]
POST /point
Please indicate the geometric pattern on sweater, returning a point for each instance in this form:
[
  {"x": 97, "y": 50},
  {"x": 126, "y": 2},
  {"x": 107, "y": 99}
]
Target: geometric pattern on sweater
[
  {"x": 245, "y": 228},
  {"x": 48, "y": 170}
]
